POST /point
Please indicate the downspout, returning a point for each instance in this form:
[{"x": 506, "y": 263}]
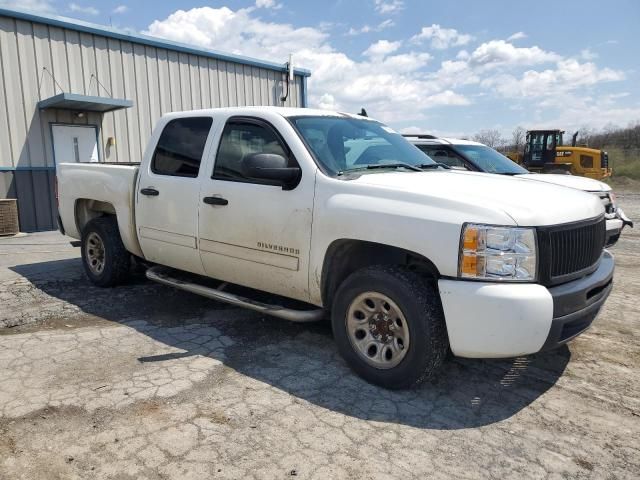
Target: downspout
[{"x": 303, "y": 93}]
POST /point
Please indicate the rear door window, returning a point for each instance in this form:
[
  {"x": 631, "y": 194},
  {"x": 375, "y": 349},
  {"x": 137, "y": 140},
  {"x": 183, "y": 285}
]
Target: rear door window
[{"x": 180, "y": 147}]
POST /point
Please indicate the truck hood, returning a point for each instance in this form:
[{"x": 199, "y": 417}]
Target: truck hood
[
  {"x": 527, "y": 203},
  {"x": 571, "y": 181}
]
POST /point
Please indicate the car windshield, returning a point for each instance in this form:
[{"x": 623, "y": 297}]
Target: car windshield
[
  {"x": 343, "y": 144},
  {"x": 489, "y": 160}
]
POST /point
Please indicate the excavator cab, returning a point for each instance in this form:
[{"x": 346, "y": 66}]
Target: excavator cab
[
  {"x": 540, "y": 150},
  {"x": 544, "y": 152}
]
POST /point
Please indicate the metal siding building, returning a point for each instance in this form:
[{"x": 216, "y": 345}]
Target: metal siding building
[{"x": 99, "y": 69}]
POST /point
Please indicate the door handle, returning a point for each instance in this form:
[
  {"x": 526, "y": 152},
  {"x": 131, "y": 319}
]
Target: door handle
[
  {"x": 152, "y": 192},
  {"x": 215, "y": 201}
]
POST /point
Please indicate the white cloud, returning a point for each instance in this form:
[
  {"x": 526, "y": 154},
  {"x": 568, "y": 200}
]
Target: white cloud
[
  {"x": 441, "y": 38},
  {"x": 327, "y": 102},
  {"x": 496, "y": 68},
  {"x": 120, "y": 9},
  {"x": 42, "y": 6},
  {"x": 268, "y": 4},
  {"x": 391, "y": 86},
  {"x": 74, "y": 7},
  {"x": 594, "y": 112},
  {"x": 381, "y": 49},
  {"x": 447, "y": 97},
  {"x": 412, "y": 130},
  {"x": 498, "y": 52},
  {"x": 568, "y": 75},
  {"x": 388, "y": 6},
  {"x": 517, "y": 36},
  {"x": 453, "y": 73},
  {"x": 415, "y": 130},
  {"x": 405, "y": 62},
  {"x": 369, "y": 29},
  {"x": 395, "y": 85},
  {"x": 587, "y": 54}
]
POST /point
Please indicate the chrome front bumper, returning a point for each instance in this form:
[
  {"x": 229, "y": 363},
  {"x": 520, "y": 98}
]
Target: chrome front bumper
[{"x": 615, "y": 225}]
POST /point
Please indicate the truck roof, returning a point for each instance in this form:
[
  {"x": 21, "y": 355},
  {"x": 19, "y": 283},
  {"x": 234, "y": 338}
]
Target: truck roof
[{"x": 283, "y": 111}]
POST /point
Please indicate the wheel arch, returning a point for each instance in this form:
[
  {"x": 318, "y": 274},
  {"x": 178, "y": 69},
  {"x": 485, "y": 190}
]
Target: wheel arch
[
  {"x": 87, "y": 209},
  {"x": 345, "y": 256}
]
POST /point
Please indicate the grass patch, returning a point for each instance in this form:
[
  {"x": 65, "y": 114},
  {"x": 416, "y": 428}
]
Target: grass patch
[{"x": 625, "y": 162}]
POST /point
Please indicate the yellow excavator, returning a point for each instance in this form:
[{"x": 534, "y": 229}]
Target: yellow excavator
[{"x": 545, "y": 153}]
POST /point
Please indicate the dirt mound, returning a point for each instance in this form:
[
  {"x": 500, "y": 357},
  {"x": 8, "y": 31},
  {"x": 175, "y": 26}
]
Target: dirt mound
[{"x": 622, "y": 184}]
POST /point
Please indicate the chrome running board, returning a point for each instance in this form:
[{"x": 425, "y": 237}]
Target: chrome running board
[{"x": 162, "y": 275}]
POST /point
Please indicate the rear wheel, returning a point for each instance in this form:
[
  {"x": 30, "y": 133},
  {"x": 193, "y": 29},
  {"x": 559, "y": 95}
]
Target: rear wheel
[
  {"x": 389, "y": 326},
  {"x": 104, "y": 257}
]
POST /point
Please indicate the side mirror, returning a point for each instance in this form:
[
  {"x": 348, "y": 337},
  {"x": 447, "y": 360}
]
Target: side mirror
[{"x": 271, "y": 167}]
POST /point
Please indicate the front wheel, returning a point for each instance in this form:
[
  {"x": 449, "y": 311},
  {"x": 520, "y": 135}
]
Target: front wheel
[
  {"x": 105, "y": 259},
  {"x": 389, "y": 326}
]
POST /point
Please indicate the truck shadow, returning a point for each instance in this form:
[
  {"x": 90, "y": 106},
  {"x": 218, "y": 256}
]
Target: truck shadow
[{"x": 301, "y": 359}]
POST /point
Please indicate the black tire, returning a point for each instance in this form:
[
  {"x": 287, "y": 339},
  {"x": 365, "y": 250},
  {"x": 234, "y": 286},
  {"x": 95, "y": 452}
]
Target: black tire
[
  {"x": 117, "y": 260},
  {"x": 420, "y": 305}
]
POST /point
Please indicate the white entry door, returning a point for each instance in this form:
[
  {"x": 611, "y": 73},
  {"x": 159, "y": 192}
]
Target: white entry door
[{"x": 75, "y": 143}]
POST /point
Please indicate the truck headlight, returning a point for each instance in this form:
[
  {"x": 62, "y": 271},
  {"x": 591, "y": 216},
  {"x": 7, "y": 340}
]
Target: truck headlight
[{"x": 497, "y": 253}]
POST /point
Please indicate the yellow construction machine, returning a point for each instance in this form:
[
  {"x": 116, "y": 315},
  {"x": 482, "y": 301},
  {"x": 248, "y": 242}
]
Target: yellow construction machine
[{"x": 545, "y": 153}]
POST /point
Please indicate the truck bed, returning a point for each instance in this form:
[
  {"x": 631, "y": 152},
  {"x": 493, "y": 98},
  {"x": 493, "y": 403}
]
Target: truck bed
[{"x": 112, "y": 184}]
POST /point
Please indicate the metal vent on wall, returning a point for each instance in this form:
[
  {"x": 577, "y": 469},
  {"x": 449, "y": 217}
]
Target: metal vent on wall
[{"x": 9, "y": 217}]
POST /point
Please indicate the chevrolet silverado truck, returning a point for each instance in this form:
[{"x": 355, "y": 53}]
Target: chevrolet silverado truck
[
  {"x": 307, "y": 214},
  {"x": 476, "y": 157}
]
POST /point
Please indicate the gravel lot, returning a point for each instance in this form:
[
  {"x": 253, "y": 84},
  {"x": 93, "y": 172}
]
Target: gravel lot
[{"x": 143, "y": 381}]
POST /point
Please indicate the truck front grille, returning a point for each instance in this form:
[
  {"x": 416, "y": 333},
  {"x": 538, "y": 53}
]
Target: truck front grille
[{"x": 571, "y": 250}]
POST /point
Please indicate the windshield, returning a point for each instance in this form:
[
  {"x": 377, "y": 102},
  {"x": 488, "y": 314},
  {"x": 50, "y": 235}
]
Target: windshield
[
  {"x": 342, "y": 144},
  {"x": 488, "y": 160}
]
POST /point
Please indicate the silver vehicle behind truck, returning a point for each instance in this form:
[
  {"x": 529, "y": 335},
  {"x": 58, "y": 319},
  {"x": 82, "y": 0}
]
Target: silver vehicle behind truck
[{"x": 476, "y": 157}]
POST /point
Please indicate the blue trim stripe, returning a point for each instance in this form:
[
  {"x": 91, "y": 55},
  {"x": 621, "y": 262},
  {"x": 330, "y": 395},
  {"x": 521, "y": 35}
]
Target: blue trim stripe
[
  {"x": 26, "y": 169},
  {"x": 79, "y": 25}
]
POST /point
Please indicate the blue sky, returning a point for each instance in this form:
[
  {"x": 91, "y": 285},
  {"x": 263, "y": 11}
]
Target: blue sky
[{"x": 443, "y": 67}]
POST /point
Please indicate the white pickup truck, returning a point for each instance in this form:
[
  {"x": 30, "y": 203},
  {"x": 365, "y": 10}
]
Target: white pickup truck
[{"x": 337, "y": 214}]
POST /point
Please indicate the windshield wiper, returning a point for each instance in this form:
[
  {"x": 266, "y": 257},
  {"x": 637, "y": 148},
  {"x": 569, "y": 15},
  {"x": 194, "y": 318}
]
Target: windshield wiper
[
  {"x": 426, "y": 166},
  {"x": 377, "y": 166},
  {"x": 394, "y": 165}
]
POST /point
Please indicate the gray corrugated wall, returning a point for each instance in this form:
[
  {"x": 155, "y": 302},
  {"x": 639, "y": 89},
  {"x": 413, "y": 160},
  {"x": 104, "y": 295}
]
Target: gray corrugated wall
[{"x": 158, "y": 81}]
